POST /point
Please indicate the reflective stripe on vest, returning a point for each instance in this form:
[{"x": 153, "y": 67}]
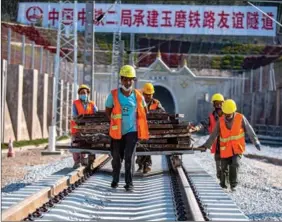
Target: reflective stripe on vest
[
  {"x": 116, "y": 117},
  {"x": 211, "y": 128},
  {"x": 232, "y": 138},
  {"x": 232, "y": 141}
]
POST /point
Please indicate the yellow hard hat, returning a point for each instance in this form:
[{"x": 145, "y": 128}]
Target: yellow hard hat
[
  {"x": 229, "y": 106},
  {"x": 217, "y": 97},
  {"x": 127, "y": 71},
  {"x": 83, "y": 86},
  {"x": 148, "y": 88}
]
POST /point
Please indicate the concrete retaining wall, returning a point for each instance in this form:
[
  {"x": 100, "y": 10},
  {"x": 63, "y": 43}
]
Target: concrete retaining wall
[
  {"x": 14, "y": 97},
  {"x": 28, "y": 103},
  {"x": 42, "y": 102}
]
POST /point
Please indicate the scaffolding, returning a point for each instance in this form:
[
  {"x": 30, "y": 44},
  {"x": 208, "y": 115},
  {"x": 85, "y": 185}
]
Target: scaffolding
[
  {"x": 89, "y": 46},
  {"x": 116, "y": 50},
  {"x": 66, "y": 38}
]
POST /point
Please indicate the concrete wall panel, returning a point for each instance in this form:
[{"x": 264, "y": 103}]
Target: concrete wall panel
[
  {"x": 66, "y": 113},
  {"x": 14, "y": 99},
  {"x": 247, "y": 105},
  {"x": 30, "y": 106},
  {"x": 8, "y": 126},
  {"x": 42, "y": 101},
  {"x": 51, "y": 80},
  {"x": 259, "y": 103},
  {"x": 271, "y": 108},
  {"x": 60, "y": 105}
]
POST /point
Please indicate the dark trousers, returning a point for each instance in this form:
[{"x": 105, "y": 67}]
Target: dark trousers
[
  {"x": 144, "y": 161},
  {"x": 124, "y": 149},
  {"x": 217, "y": 164},
  {"x": 230, "y": 166}
]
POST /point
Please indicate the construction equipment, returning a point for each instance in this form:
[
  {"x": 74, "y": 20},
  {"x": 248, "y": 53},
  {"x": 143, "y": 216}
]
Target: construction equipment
[{"x": 168, "y": 136}]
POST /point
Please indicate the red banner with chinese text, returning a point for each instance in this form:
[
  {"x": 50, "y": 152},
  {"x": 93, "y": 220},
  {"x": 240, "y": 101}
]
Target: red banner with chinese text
[{"x": 161, "y": 19}]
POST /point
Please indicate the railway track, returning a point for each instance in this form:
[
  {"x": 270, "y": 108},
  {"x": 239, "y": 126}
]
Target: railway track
[{"x": 169, "y": 192}]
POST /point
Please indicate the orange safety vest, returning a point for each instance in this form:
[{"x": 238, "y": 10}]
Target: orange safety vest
[
  {"x": 154, "y": 104},
  {"x": 116, "y": 117},
  {"x": 232, "y": 141},
  {"x": 81, "y": 111},
  {"x": 210, "y": 129}
]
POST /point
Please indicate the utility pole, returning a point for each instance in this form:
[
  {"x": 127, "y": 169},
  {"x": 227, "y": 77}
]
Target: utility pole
[
  {"x": 120, "y": 62},
  {"x": 89, "y": 48},
  {"x": 66, "y": 38},
  {"x": 132, "y": 48},
  {"x": 116, "y": 48}
]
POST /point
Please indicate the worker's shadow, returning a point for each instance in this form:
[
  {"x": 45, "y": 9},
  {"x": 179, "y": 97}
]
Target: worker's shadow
[
  {"x": 12, "y": 187},
  {"x": 267, "y": 215},
  {"x": 43, "y": 182}
]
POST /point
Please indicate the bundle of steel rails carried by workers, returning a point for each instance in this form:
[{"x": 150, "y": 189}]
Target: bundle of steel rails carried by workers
[{"x": 168, "y": 135}]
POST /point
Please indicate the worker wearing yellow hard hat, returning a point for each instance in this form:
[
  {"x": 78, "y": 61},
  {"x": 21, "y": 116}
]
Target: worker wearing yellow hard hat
[
  {"x": 123, "y": 105},
  {"x": 209, "y": 124},
  {"x": 82, "y": 106},
  {"x": 153, "y": 105},
  {"x": 231, "y": 129}
]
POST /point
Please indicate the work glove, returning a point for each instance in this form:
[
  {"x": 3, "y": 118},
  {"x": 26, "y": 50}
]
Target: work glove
[
  {"x": 258, "y": 147},
  {"x": 202, "y": 148},
  {"x": 192, "y": 128}
]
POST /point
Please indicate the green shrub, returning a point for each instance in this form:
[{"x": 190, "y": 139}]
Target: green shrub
[
  {"x": 243, "y": 49},
  {"x": 36, "y": 142}
]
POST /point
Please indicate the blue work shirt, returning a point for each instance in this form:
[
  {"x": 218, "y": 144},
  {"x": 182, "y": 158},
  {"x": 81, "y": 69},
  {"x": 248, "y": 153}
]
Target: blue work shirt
[
  {"x": 74, "y": 110},
  {"x": 129, "y": 107}
]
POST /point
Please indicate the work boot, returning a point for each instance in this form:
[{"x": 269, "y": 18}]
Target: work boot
[
  {"x": 128, "y": 187},
  {"x": 218, "y": 175},
  {"x": 84, "y": 161},
  {"x": 146, "y": 169},
  {"x": 91, "y": 159},
  {"x": 76, "y": 165},
  {"x": 233, "y": 189},
  {"x": 139, "y": 168},
  {"x": 114, "y": 184},
  {"x": 223, "y": 186}
]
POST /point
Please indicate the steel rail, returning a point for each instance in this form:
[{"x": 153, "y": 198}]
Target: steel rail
[
  {"x": 30, "y": 204},
  {"x": 190, "y": 196},
  {"x": 173, "y": 191}
]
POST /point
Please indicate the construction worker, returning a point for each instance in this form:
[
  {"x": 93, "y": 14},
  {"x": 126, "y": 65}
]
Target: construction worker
[
  {"x": 209, "y": 124},
  {"x": 145, "y": 162},
  {"x": 82, "y": 106},
  {"x": 126, "y": 109},
  {"x": 231, "y": 129}
]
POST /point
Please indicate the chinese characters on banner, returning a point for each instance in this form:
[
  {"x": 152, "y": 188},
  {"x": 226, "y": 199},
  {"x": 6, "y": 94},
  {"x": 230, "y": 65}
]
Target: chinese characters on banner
[{"x": 164, "y": 19}]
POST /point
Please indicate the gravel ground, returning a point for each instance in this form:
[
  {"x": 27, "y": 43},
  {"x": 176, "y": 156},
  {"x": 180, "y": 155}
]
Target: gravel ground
[
  {"x": 30, "y": 166},
  {"x": 274, "y": 152},
  {"x": 259, "y": 193}
]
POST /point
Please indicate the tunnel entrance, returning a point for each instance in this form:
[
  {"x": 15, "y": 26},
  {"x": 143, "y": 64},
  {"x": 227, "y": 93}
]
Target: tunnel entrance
[{"x": 164, "y": 96}]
